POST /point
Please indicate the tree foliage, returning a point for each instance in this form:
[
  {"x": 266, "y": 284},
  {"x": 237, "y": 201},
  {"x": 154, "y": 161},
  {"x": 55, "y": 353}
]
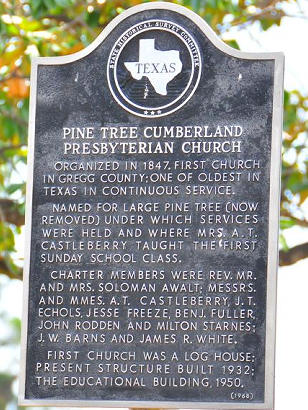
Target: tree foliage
[{"x": 57, "y": 27}]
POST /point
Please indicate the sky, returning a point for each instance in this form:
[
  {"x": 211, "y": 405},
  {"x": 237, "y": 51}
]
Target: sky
[
  {"x": 290, "y": 38},
  {"x": 292, "y": 335}
]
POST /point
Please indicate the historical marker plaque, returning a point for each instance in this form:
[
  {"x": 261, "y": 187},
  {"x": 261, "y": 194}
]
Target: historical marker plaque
[{"x": 152, "y": 220}]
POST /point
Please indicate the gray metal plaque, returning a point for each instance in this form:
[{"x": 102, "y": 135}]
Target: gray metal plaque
[{"x": 152, "y": 220}]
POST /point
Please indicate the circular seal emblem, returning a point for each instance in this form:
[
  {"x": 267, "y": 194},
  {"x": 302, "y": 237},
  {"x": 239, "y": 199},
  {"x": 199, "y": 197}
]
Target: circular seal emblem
[{"x": 154, "y": 68}]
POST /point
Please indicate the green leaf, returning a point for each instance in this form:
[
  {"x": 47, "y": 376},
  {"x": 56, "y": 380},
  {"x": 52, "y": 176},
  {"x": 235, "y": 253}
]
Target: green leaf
[
  {"x": 6, "y": 381},
  {"x": 286, "y": 223},
  {"x": 9, "y": 128},
  {"x": 30, "y": 25},
  {"x": 50, "y": 4},
  {"x": 294, "y": 179},
  {"x": 63, "y": 3},
  {"x": 297, "y": 182},
  {"x": 286, "y": 98},
  {"x": 14, "y": 187},
  {"x": 290, "y": 115},
  {"x": 12, "y": 29},
  {"x": 283, "y": 243},
  {"x": 15, "y": 324},
  {"x": 11, "y": 265},
  {"x": 195, "y": 4},
  {"x": 36, "y": 4},
  {"x": 7, "y": 240},
  {"x": 233, "y": 43},
  {"x": 266, "y": 23},
  {"x": 93, "y": 19}
]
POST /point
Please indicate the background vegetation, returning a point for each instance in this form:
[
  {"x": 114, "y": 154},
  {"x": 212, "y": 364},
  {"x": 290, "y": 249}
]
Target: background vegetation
[{"x": 58, "y": 27}]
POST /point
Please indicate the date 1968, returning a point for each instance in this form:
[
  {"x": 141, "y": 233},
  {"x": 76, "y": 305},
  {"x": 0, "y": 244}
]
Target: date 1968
[{"x": 241, "y": 396}]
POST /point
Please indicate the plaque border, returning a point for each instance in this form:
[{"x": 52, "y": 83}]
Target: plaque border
[{"x": 273, "y": 228}]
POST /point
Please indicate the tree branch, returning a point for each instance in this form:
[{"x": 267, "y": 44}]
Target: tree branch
[
  {"x": 293, "y": 255},
  {"x": 4, "y": 269},
  {"x": 10, "y": 212},
  {"x": 300, "y": 222},
  {"x": 9, "y": 147},
  {"x": 266, "y": 12},
  {"x": 58, "y": 17}
]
